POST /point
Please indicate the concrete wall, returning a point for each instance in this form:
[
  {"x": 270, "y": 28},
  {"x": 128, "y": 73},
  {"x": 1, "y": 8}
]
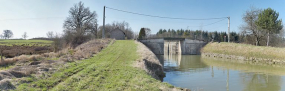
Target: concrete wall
[
  {"x": 172, "y": 47},
  {"x": 187, "y": 46},
  {"x": 117, "y": 34},
  {"x": 192, "y": 47},
  {"x": 155, "y": 45}
]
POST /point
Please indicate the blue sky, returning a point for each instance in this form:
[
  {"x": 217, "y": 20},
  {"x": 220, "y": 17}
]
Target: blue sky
[{"x": 36, "y": 17}]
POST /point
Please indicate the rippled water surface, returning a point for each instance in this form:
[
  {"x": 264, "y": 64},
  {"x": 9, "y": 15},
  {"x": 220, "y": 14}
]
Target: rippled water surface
[{"x": 197, "y": 74}]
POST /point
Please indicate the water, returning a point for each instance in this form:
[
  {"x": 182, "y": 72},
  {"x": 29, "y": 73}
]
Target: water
[{"x": 197, "y": 74}]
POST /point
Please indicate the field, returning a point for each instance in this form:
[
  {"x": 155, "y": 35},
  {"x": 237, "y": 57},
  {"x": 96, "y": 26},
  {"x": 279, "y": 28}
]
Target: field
[
  {"x": 245, "y": 50},
  {"x": 12, "y": 48},
  {"x": 25, "y": 42},
  {"x": 111, "y": 69}
]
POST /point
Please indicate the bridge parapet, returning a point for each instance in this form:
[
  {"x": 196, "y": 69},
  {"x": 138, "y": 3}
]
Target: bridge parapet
[{"x": 184, "y": 46}]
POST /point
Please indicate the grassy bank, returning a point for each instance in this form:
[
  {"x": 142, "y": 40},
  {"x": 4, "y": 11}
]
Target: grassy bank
[
  {"x": 25, "y": 42},
  {"x": 111, "y": 69},
  {"x": 245, "y": 50}
]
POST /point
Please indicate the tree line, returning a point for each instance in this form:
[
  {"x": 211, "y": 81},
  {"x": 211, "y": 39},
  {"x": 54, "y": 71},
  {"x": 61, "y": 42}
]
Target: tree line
[
  {"x": 7, "y": 34},
  {"x": 82, "y": 25},
  {"x": 260, "y": 28},
  {"x": 197, "y": 35}
]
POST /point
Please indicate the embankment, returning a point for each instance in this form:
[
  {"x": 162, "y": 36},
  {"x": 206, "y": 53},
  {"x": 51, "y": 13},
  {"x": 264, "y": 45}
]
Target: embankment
[
  {"x": 111, "y": 69},
  {"x": 26, "y": 69},
  {"x": 149, "y": 62},
  {"x": 244, "y": 52}
]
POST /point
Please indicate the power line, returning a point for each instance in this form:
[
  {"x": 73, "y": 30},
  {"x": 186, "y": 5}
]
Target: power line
[
  {"x": 31, "y": 18},
  {"x": 214, "y": 28},
  {"x": 214, "y": 22},
  {"x": 208, "y": 24},
  {"x": 163, "y": 16}
]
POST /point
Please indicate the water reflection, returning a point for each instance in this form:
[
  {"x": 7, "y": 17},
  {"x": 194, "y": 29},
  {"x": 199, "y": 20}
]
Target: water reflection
[
  {"x": 254, "y": 77},
  {"x": 193, "y": 72},
  {"x": 183, "y": 63}
]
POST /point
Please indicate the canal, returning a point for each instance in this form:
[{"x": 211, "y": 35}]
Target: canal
[{"x": 197, "y": 74}]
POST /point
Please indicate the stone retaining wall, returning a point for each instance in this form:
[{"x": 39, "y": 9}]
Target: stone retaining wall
[{"x": 242, "y": 58}]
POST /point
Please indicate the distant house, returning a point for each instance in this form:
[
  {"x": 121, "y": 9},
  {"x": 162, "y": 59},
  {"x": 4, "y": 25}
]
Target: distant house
[{"x": 117, "y": 34}]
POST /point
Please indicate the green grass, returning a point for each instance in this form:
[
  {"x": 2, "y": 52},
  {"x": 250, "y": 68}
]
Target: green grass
[
  {"x": 111, "y": 69},
  {"x": 5, "y": 67},
  {"x": 245, "y": 50},
  {"x": 21, "y": 42}
]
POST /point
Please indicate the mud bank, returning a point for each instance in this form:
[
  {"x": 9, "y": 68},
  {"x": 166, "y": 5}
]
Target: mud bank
[{"x": 244, "y": 59}]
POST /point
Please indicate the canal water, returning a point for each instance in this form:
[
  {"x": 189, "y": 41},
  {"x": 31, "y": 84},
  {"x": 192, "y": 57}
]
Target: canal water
[{"x": 197, "y": 74}]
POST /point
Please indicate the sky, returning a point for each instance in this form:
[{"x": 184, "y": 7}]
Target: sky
[{"x": 37, "y": 17}]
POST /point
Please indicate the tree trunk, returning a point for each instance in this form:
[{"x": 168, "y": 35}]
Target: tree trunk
[
  {"x": 267, "y": 39},
  {"x": 257, "y": 41}
]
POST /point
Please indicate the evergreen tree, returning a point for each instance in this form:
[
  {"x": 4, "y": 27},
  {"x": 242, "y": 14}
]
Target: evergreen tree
[
  {"x": 142, "y": 33},
  {"x": 268, "y": 20}
]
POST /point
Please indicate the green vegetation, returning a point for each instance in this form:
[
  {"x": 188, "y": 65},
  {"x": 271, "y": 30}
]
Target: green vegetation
[
  {"x": 198, "y": 34},
  {"x": 142, "y": 33},
  {"x": 245, "y": 50},
  {"x": 268, "y": 20},
  {"x": 8, "y": 66},
  {"x": 26, "y": 42},
  {"x": 111, "y": 69}
]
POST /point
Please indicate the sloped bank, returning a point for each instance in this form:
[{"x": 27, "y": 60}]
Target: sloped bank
[
  {"x": 151, "y": 64},
  {"x": 110, "y": 70},
  {"x": 245, "y": 53}
]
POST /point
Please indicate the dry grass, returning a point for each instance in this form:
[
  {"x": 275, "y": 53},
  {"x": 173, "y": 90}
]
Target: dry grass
[
  {"x": 5, "y": 84},
  {"x": 110, "y": 70},
  {"x": 149, "y": 62},
  {"x": 89, "y": 48},
  {"x": 245, "y": 50},
  {"x": 39, "y": 65}
]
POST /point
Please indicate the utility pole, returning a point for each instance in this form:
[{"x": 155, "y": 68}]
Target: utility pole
[
  {"x": 103, "y": 32},
  {"x": 229, "y": 29}
]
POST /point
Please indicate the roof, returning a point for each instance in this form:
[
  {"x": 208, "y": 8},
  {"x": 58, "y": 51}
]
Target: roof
[{"x": 118, "y": 29}]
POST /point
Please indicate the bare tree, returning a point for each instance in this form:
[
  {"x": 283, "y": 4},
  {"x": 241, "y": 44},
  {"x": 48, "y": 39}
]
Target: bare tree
[
  {"x": 25, "y": 35},
  {"x": 57, "y": 42},
  {"x": 50, "y": 34},
  {"x": 79, "y": 22},
  {"x": 7, "y": 34},
  {"x": 108, "y": 29},
  {"x": 147, "y": 32},
  {"x": 269, "y": 22},
  {"x": 125, "y": 27},
  {"x": 94, "y": 29},
  {"x": 250, "y": 28}
]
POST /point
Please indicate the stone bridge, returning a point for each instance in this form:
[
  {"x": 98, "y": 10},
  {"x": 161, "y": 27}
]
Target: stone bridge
[{"x": 174, "y": 46}]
